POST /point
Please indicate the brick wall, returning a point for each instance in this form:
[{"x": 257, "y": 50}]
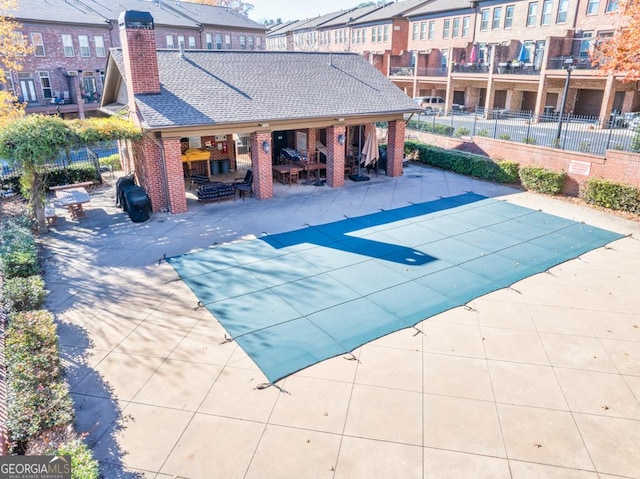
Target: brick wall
[
  {"x": 618, "y": 166},
  {"x": 395, "y": 148},
  {"x": 335, "y": 156},
  {"x": 140, "y": 61},
  {"x": 175, "y": 179},
  {"x": 261, "y": 165}
]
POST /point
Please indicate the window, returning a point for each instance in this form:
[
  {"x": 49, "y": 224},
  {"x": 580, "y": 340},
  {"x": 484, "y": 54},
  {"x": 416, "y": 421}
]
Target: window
[
  {"x": 373, "y": 34},
  {"x": 67, "y": 44},
  {"x": 546, "y": 12},
  {"x": 27, "y": 87},
  {"x": 45, "y": 81},
  {"x": 170, "y": 43},
  {"x": 38, "y": 44},
  {"x": 586, "y": 44},
  {"x": 415, "y": 30},
  {"x": 250, "y": 41},
  {"x": 208, "y": 40},
  {"x": 181, "y": 43},
  {"x": 527, "y": 48},
  {"x": 83, "y": 41},
  {"x": 508, "y": 16},
  {"x": 98, "y": 40},
  {"x": 432, "y": 30},
  {"x": 243, "y": 42},
  {"x": 192, "y": 42},
  {"x": 258, "y": 42},
  {"x": 484, "y": 19},
  {"x": 456, "y": 28},
  {"x": 563, "y": 7},
  {"x": 423, "y": 30},
  {"x": 612, "y": 6},
  {"x": 385, "y": 33},
  {"x": 532, "y": 14},
  {"x": 497, "y": 15},
  {"x": 465, "y": 27},
  {"x": 444, "y": 59},
  {"x": 592, "y": 7},
  {"x": 446, "y": 28},
  {"x": 8, "y": 83},
  {"x": 218, "y": 41}
]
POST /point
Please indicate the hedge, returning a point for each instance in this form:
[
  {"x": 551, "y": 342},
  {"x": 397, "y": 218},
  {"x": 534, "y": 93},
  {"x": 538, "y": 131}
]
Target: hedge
[
  {"x": 429, "y": 127},
  {"x": 465, "y": 163},
  {"x": 612, "y": 195},
  {"x": 83, "y": 465},
  {"x": 23, "y": 294},
  {"x": 37, "y": 396},
  {"x": 542, "y": 180}
]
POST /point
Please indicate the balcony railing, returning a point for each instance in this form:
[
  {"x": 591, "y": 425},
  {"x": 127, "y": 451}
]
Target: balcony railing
[
  {"x": 432, "y": 71},
  {"x": 401, "y": 71},
  {"x": 471, "y": 68},
  {"x": 516, "y": 68},
  {"x": 557, "y": 63}
]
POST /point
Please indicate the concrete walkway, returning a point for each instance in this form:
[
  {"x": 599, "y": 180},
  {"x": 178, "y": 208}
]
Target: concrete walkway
[{"x": 541, "y": 380}]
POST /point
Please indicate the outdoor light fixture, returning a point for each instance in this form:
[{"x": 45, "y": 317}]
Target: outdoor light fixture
[
  {"x": 266, "y": 147},
  {"x": 569, "y": 66},
  {"x": 264, "y": 125},
  {"x": 339, "y": 119},
  {"x": 341, "y": 138}
]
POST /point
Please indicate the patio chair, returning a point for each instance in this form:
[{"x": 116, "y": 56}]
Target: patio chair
[{"x": 245, "y": 185}]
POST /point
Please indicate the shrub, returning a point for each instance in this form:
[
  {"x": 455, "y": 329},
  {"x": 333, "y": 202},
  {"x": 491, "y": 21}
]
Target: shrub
[
  {"x": 19, "y": 264},
  {"x": 483, "y": 132},
  {"x": 23, "y": 294},
  {"x": 542, "y": 180},
  {"x": 465, "y": 163},
  {"x": 462, "y": 132},
  {"x": 83, "y": 465},
  {"x": 612, "y": 195},
  {"x": 72, "y": 174},
  {"x": 429, "y": 127},
  {"x": 37, "y": 397},
  {"x": 585, "y": 146},
  {"x": 529, "y": 140},
  {"x": 504, "y": 136},
  {"x": 112, "y": 161},
  {"x": 635, "y": 141}
]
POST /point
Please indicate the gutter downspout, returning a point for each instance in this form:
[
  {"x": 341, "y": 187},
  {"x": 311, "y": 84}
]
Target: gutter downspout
[{"x": 163, "y": 168}]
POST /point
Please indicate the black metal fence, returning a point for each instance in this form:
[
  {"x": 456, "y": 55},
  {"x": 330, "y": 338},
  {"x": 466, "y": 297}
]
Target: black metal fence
[{"x": 574, "y": 133}]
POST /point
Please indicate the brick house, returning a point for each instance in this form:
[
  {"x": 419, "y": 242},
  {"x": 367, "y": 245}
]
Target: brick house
[
  {"x": 308, "y": 101},
  {"x": 71, "y": 39}
]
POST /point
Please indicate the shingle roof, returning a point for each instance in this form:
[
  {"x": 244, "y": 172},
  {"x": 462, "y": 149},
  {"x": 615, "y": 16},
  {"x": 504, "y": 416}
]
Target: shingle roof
[
  {"x": 437, "y": 6},
  {"x": 322, "y": 19},
  {"x": 219, "y": 87},
  {"x": 56, "y": 11},
  {"x": 210, "y": 15},
  {"x": 162, "y": 15},
  {"x": 350, "y": 16},
  {"x": 389, "y": 11}
]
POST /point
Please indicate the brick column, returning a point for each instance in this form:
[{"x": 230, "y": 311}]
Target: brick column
[
  {"x": 261, "y": 165},
  {"x": 175, "y": 176},
  {"x": 607, "y": 101},
  {"x": 335, "y": 156},
  {"x": 311, "y": 142},
  {"x": 395, "y": 148}
]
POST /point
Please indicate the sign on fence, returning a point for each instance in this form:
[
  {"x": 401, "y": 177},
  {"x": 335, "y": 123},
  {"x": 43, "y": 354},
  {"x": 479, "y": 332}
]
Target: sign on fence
[{"x": 580, "y": 167}]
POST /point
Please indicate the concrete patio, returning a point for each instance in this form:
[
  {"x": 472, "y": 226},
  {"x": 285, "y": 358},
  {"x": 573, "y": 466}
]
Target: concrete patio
[{"x": 539, "y": 380}]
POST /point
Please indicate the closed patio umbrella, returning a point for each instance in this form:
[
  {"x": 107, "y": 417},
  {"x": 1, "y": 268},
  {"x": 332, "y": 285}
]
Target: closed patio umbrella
[
  {"x": 370, "y": 148},
  {"x": 474, "y": 54}
]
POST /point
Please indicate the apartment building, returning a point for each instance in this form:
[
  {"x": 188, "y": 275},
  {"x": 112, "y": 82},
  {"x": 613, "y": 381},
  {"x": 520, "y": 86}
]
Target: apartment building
[
  {"x": 492, "y": 54},
  {"x": 71, "y": 38}
]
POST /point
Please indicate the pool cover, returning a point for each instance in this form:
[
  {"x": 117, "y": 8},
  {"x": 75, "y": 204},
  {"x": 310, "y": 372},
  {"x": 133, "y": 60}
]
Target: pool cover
[{"x": 293, "y": 299}]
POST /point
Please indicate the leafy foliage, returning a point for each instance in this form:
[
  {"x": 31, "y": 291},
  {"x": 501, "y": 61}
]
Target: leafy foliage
[
  {"x": 436, "y": 128},
  {"x": 464, "y": 163},
  {"x": 23, "y": 294},
  {"x": 621, "y": 52},
  {"x": 83, "y": 465},
  {"x": 542, "y": 180},
  {"x": 612, "y": 195}
]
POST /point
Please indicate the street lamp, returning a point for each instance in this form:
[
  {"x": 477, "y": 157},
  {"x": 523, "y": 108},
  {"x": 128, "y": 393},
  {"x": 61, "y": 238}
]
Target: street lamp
[{"x": 569, "y": 66}]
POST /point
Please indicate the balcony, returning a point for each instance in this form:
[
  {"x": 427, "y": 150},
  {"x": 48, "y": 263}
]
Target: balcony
[
  {"x": 471, "y": 68},
  {"x": 579, "y": 63},
  {"x": 401, "y": 71},
  {"x": 516, "y": 68}
]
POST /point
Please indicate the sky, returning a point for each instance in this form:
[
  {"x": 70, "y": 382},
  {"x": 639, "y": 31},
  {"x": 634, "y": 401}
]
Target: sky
[{"x": 296, "y": 9}]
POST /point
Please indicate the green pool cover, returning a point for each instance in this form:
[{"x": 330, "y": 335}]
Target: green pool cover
[{"x": 293, "y": 299}]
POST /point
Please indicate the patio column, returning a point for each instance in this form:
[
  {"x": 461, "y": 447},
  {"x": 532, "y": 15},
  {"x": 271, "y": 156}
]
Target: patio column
[
  {"x": 607, "y": 101},
  {"x": 261, "y": 164},
  {"x": 175, "y": 175},
  {"x": 395, "y": 148},
  {"x": 311, "y": 142},
  {"x": 335, "y": 156}
]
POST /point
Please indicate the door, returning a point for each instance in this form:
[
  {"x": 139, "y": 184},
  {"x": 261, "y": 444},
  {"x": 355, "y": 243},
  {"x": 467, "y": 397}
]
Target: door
[
  {"x": 529, "y": 100},
  {"x": 588, "y": 103},
  {"x": 28, "y": 89},
  {"x": 280, "y": 141}
]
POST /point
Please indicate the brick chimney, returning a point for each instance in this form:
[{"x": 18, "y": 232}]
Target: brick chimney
[{"x": 139, "y": 52}]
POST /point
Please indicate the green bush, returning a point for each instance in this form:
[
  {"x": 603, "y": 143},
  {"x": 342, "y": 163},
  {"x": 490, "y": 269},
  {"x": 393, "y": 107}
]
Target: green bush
[
  {"x": 19, "y": 264},
  {"x": 23, "y": 294},
  {"x": 462, "y": 132},
  {"x": 529, "y": 140},
  {"x": 430, "y": 127},
  {"x": 542, "y": 180},
  {"x": 483, "y": 132},
  {"x": 37, "y": 396},
  {"x": 504, "y": 136},
  {"x": 72, "y": 174},
  {"x": 585, "y": 146},
  {"x": 112, "y": 161},
  {"x": 83, "y": 465},
  {"x": 465, "y": 163},
  {"x": 635, "y": 141},
  {"x": 612, "y": 195}
]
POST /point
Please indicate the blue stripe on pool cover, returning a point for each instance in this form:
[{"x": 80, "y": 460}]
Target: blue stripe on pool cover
[{"x": 293, "y": 299}]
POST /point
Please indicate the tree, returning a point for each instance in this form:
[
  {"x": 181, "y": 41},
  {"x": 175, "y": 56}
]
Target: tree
[
  {"x": 13, "y": 47},
  {"x": 236, "y": 5},
  {"x": 620, "y": 53},
  {"x": 34, "y": 141}
]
